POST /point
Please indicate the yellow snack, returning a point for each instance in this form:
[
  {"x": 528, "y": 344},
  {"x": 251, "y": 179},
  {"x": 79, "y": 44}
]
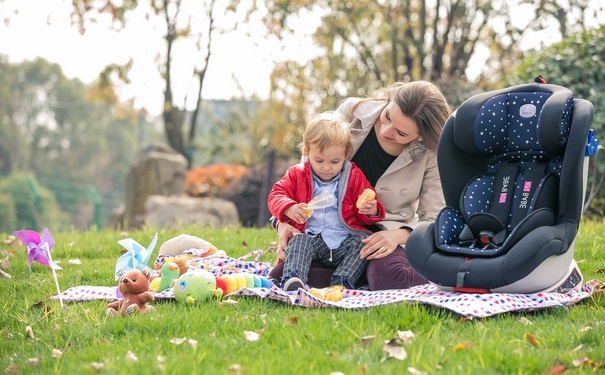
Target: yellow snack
[
  {"x": 309, "y": 211},
  {"x": 366, "y": 196},
  {"x": 332, "y": 293}
]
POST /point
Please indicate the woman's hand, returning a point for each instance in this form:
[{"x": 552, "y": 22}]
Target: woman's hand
[
  {"x": 285, "y": 231},
  {"x": 380, "y": 244}
]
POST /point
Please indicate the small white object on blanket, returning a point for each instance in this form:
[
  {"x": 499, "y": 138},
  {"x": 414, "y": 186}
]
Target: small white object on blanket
[{"x": 177, "y": 245}]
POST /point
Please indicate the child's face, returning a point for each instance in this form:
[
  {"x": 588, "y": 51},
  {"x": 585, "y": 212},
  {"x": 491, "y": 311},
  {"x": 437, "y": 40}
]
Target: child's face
[{"x": 327, "y": 164}]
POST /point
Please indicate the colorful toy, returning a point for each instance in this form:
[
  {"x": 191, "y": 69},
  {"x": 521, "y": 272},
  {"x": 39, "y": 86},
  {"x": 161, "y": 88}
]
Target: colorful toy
[
  {"x": 195, "y": 286},
  {"x": 170, "y": 271},
  {"x": 135, "y": 257},
  {"x": 221, "y": 284},
  {"x": 230, "y": 283},
  {"x": 134, "y": 286}
]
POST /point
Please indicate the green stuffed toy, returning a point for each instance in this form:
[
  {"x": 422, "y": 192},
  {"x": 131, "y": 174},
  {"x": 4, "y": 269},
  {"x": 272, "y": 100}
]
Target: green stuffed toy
[{"x": 195, "y": 286}]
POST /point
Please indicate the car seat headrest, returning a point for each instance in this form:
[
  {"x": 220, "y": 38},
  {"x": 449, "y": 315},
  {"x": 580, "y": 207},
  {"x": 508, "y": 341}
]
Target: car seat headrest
[{"x": 525, "y": 119}]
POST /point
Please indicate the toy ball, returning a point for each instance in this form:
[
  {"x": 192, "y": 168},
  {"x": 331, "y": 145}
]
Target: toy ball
[
  {"x": 221, "y": 284},
  {"x": 249, "y": 280},
  {"x": 265, "y": 282},
  {"x": 240, "y": 279},
  {"x": 195, "y": 286},
  {"x": 230, "y": 282}
]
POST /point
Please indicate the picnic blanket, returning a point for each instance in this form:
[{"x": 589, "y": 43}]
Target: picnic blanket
[{"x": 466, "y": 304}]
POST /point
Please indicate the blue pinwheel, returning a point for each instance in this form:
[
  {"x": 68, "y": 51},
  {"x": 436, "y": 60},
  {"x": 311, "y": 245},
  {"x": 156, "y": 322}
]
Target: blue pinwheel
[{"x": 136, "y": 256}]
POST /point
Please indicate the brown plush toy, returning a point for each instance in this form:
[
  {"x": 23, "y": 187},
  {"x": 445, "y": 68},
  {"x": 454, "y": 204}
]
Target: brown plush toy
[{"x": 134, "y": 286}]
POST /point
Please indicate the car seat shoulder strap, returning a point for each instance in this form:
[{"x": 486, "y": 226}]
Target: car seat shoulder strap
[
  {"x": 530, "y": 180},
  {"x": 504, "y": 182}
]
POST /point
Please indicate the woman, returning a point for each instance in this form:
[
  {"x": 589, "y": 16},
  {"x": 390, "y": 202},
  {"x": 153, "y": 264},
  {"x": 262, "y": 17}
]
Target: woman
[{"x": 395, "y": 145}]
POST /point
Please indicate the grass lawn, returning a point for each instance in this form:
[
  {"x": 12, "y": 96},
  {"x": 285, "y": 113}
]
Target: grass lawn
[{"x": 211, "y": 338}]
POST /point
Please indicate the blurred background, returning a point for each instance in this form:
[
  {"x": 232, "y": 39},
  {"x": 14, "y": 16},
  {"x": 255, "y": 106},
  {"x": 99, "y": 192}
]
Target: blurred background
[{"x": 106, "y": 103}]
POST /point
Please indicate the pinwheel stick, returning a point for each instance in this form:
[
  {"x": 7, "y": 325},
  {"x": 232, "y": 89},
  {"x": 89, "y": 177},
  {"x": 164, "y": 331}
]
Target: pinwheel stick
[{"x": 50, "y": 261}]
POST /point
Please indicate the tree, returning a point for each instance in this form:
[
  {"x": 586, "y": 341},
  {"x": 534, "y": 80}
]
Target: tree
[
  {"x": 185, "y": 24},
  {"x": 63, "y": 131},
  {"x": 578, "y": 63}
]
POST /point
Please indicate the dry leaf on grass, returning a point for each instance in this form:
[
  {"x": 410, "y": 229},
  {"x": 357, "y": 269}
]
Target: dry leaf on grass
[
  {"x": 131, "y": 356},
  {"x": 463, "y": 346},
  {"x": 531, "y": 339},
  {"x": 525, "y": 321},
  {"x": 291, "y": 320},
  {"x": 579, "y": 362},
  {"x": 394, "y": 349},
  {"x": 251, "y": 336},
  {"x": 405, "y": 336},
  {"x": 30, "y": 332},
  {"x": 413, "y": 371},
  {"x": 180, "y": 340},
  {"x": 76, "y": 262},
  {"x": 367, "y": 339},
  {"x": 33, "y": 361},
  {"x": 56, "y": 353}
]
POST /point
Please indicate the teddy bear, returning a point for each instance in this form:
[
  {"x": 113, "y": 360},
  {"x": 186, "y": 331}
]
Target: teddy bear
[{"x": 134, "y": 286}]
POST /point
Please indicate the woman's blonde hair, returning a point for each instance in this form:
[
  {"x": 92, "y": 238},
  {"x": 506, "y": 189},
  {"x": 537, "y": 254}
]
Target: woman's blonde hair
[
  {"x": 325, "y": 130},
  {"x": 423, "y": 102}
]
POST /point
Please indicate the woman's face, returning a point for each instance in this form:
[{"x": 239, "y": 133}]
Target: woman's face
[
  {"x": 395, "y": 127},
  {"x": 327, "y": 164}
]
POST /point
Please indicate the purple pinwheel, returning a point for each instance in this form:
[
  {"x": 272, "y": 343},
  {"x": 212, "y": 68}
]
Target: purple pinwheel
[{"x": 38, "y": 248}]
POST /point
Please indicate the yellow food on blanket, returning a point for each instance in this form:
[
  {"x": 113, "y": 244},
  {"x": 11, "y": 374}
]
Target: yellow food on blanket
[
  {"x": 366, "y": 196},
  {"x": 332, "y": 293}
]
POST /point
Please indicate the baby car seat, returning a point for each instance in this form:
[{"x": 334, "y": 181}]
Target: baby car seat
[{"x": 511, "y": 163}]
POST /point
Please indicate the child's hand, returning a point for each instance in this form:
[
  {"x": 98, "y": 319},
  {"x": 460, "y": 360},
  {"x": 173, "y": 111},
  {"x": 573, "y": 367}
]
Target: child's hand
[
  {"x": 299, "y": 213},
  {"x": 369, "y": 208}
]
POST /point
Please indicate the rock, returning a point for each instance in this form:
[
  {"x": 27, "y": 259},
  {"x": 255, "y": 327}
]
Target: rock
[
  {"x": 159, "y": 170},
  {"x": 176, "y": 211}
]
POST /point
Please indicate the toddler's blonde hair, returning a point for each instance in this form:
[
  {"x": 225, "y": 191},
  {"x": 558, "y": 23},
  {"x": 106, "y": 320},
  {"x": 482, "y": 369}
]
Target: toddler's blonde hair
[{"x": 327, "y": 129}]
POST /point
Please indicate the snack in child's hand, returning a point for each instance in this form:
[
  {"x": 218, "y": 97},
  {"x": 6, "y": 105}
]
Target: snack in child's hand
[
  {"x": 366, "y": 196},
  {"x": 309, "y": 211}
]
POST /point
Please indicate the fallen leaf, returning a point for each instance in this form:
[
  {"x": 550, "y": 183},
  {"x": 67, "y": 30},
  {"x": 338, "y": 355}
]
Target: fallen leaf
[
  {"x": 251, "y": 336},
  {"x": 583, "y": 362},
  {"x": 131, "y": 356},
  {"x": 405, "y": 336},
  {"x": 413, "y": 371},
  {"x": 465, "y": 319},
  {"x": 12, "y": 369},
  {"x": 557, "y": 369},
  {"x": 33, "y": 361},
  {"x": 367, "y": 339},
  {"x": 56, "y": 353},
  {"x": 5, "y": 275},
  {"x": 337, "y": 373},
  {"x": 30, "y": 332},
  {"x": 291, "y": 320},
  {"x": 229, "y": 302},
  {"x": 525, "y": 321},
  {"x": 532, "y": 339},
  {"x": 394, "y": 349},
  {"x": 236, "y": 369},
  {"x": 463, "y": 346},
  {"x": 76, "y": 262},
  {"x": 98, "y": 366}
]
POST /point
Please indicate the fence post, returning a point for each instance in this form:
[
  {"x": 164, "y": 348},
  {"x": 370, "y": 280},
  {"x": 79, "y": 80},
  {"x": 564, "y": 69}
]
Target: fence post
[
  {"x": 96, "y": 200},
  {"x": 36, "y": 207}
]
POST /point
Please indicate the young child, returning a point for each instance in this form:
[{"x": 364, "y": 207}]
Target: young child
[{"x": 331, "y": 235}]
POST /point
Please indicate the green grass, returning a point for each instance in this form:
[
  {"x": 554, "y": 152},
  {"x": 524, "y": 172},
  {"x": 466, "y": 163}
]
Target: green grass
[{"x": 293, "y": 340}]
